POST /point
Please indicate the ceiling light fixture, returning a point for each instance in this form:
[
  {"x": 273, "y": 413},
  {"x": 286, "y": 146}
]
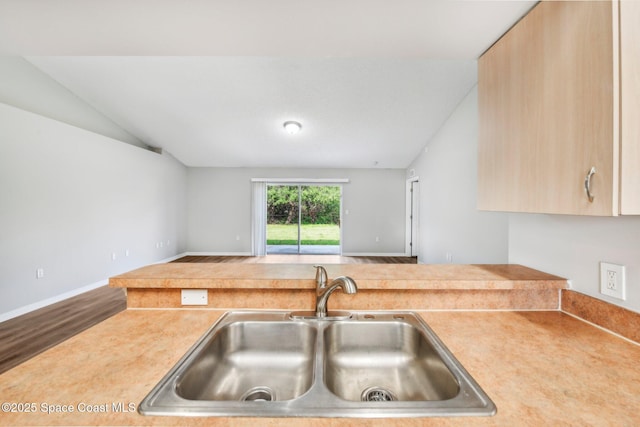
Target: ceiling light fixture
[{"x": 292, "y": 127}]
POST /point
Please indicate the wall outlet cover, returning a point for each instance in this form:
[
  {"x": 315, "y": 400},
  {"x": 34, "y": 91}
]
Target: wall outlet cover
[
  {"x": 194, "y": 297},
  {"x": 612, "y": 280}
]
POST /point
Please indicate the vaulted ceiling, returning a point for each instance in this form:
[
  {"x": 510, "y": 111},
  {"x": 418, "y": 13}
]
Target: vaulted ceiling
[{"x": 213, "y": 81}]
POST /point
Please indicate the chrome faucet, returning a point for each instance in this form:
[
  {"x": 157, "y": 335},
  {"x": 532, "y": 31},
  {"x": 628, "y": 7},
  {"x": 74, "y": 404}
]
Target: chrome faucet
[
  {"x": 321, "y": 276},
  {"x": 323, "y": 291}
]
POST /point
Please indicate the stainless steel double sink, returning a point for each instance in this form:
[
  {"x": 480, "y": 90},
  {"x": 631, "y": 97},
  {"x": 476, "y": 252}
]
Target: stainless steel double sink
[{"x": 370, "y": 365}]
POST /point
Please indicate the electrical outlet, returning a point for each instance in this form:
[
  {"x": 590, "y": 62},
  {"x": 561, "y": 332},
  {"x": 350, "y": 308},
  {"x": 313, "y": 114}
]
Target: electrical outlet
[
  {"x": 39, "y": 273},
  {"x": 612, "y": 280},
  {"x": 449, "y": 257}
]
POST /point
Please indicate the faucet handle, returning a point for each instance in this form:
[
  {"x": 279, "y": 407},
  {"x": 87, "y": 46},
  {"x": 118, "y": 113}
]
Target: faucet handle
[{"x": 321, "y": 276}]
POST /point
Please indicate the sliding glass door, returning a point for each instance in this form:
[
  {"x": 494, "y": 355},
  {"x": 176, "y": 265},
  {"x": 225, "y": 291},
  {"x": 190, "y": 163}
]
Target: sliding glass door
[
  {"x": 283, "y": 219},
  {"x": 303, "y": 219}
]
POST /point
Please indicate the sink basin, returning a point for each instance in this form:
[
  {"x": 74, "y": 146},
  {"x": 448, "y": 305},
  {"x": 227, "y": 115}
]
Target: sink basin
[
  {"x": 384, "y": 361},
  {"x": 251, "y": 360},
  {"x": 270, "y": 364}
]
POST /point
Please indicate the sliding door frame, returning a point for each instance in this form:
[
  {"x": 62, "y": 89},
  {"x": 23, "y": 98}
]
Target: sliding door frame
[{"x": 261, "y": 214}]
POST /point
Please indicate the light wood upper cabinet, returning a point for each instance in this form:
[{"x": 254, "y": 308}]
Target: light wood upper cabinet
[{"x": 559, "y": 95}]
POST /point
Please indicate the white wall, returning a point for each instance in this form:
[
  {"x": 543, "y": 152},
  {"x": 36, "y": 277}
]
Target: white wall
[
  {"x": 219, "y": 208},
  {"x": 69, "y": 198},
  {"x": 449, "y": 220},
  {"x": 573, "y": 246},
  {"x": 26, "y": 87}
]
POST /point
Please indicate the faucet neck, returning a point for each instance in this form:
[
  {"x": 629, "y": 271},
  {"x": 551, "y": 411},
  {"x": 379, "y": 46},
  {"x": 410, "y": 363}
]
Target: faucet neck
[
  {"x": 321, "y": 277},
  {"x": 348, "y": 286}
]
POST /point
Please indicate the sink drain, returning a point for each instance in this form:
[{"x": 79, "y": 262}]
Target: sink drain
[
  {"x": 377, "y": 394},
  {"x": 259, "y": 394}
]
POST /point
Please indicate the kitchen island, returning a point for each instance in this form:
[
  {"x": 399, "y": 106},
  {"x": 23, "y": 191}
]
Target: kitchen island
[{"x": 539, "y": 367}]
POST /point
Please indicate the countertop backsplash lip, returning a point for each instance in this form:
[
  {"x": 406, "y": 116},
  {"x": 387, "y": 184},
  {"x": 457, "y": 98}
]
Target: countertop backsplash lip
[{"x": 615, "y": 319}]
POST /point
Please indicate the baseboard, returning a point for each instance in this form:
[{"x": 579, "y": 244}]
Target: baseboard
[
  {"x": 40, "y": 304},
  {"x": 374, "y": 254},
  {"x": 173, "y": 258},
  {"x": 216, "y": 254}
]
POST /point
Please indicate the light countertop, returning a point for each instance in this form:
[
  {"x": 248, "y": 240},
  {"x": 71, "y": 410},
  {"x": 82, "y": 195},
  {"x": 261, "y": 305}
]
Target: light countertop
[
  {"x": 540, "y": 368},
  {"x": 368, "y": 276}
]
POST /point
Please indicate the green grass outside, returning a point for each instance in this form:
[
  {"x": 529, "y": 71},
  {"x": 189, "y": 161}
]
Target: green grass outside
[{"x": 311, "y": 234}]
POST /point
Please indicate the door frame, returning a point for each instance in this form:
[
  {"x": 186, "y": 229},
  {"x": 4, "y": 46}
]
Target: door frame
[
  {"x": 412, "y": 217},
  {"x": 302, "y": 182}
]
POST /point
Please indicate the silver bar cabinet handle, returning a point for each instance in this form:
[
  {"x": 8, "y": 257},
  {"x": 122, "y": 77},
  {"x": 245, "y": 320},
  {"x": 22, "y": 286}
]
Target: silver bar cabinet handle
[{"x": 587, "y": 183}]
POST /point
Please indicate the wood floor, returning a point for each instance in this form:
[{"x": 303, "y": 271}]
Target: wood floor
[
  {"x": 24, "y": 337},
  {"x": 302, "y": 259}
]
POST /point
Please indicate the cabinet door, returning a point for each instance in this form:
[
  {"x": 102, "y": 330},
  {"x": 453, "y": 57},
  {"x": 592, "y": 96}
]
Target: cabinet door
[
  {"x": 510, "y": 82},
  {"x": 546, "y": 94}
]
